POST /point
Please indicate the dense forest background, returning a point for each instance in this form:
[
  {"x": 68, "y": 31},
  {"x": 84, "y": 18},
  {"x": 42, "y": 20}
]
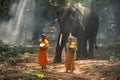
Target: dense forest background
[
  {"x": 108, "y": 11},
  {"x": 23, "y": 21}
]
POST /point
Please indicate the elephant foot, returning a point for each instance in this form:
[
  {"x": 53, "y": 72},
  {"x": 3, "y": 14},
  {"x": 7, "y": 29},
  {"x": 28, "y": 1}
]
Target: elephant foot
[
  {"x": 90, "y": 57},
  {"x": 80, "y": 58},
  {"x": 57, "y": 61}
]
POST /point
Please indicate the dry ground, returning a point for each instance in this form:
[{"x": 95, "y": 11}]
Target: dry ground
[{"x": 85, "y": 70}]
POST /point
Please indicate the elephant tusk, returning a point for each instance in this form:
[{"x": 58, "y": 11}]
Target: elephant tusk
[
  {"x": 60, "y": 39},
  {"x": 70, "y": 34},
  {"x": 55, "y": 19}
]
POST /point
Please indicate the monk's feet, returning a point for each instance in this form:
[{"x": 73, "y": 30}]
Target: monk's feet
[
  {"x": 72, "y": 71},
  {"x": 66, "y": 71},
  {"x": 69, "y": 71},
  {"x": 44, "y": 67}
]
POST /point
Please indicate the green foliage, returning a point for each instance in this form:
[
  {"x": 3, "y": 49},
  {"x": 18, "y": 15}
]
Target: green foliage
[
  {"x": 112, "y": 71},
  {"x": 21, "y": 75},
  {"x": 101, "y": 3},
  {"x": 5, "y": 6},
  {"x": 114, "y": 50},
  {"x": 8, "y": 52},
  {"x": 57, "y": 2},
  {"x": 28, "y": 76},
  {"x": 5, "y": 50}
]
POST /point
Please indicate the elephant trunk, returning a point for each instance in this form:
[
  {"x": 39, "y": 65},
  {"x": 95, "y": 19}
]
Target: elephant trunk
[{"x": 60, "y": 40}]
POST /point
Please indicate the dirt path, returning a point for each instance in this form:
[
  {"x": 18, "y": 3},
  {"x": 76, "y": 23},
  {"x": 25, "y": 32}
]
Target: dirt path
[{"x": 85, "y": 69}]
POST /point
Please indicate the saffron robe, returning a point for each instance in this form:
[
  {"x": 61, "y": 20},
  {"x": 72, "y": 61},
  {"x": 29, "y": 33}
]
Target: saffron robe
[
  {"x": 42, "y": 53},
  {"x": 69, "y": 60}
]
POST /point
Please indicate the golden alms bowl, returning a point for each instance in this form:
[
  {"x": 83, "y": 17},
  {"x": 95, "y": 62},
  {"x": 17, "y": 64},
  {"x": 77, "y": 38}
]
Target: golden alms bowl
[{"x": 42, "y": 45}]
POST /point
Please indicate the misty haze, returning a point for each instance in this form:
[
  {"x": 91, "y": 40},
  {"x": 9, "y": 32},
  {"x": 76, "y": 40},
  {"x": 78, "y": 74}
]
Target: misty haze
[{"x": 94, "y": 26}]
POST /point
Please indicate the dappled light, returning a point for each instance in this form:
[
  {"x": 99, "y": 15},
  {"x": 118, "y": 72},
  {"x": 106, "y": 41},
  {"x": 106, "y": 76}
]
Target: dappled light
[
  {"x": 85, "y": 69},
  {"x": 92, "y": 25}
]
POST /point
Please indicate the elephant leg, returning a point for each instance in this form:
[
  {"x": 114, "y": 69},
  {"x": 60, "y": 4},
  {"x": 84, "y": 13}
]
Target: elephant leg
[
  {"x": 85, "y": 53},
  {"x": 91, "y": 48},
  {"x": 59, "y": 48},
  {"x": 79, "y": 53},
  {"x": 57, "y": 58}
]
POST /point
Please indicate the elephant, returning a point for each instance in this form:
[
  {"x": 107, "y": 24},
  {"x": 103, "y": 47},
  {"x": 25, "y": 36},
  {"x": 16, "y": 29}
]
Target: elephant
[{"x": 83, "y": 23}]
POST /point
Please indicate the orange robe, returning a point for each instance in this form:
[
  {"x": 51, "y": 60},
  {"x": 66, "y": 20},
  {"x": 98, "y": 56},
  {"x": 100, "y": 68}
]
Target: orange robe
[
  {"x": 42, "y": 54},
  {"x": 69, "y": 60}
]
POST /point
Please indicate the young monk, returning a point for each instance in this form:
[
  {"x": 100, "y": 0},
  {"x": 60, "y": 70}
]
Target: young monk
[
  {"x": 70, "y": 53},
  {"x": 42, "y": 51}
]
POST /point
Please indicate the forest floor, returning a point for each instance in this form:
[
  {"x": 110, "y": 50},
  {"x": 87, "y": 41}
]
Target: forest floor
[{"x": 26, "y": 67}]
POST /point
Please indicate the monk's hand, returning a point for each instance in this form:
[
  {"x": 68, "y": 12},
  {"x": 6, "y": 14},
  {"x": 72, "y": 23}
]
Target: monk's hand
[{"x": 43, "y": 48}]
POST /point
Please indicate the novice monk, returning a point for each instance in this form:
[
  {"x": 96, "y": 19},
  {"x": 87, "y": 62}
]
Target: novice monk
[
  {"x": 69, "y": 60},
  {"x": 42, "y": 51}
]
